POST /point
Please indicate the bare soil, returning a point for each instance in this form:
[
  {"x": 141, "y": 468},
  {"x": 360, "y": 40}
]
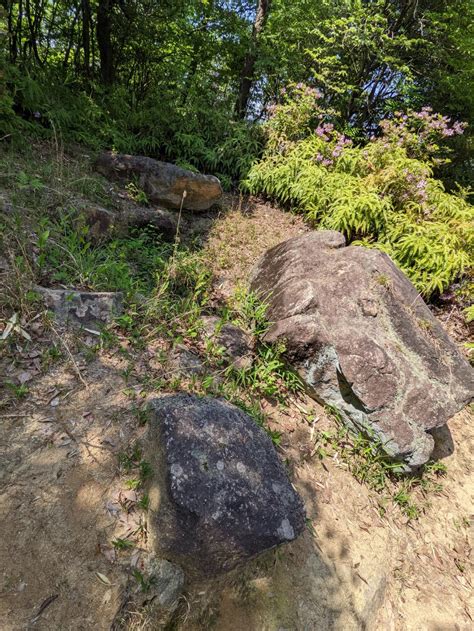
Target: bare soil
[{"x": 63, "y": 499}]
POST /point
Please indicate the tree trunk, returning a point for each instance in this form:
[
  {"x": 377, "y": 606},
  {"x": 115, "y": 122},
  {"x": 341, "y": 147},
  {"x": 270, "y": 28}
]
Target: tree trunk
[
  {"x": 248, "y": 69},
  {"x": 104, "y": 40},
  {"x": 33, "y": 28},
  {"x": 86, "y": 37}
]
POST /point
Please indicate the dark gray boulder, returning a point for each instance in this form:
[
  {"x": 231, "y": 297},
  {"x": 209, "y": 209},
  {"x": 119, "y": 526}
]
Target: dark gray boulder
[
  {"x": 219, "y": 495},
  {"x": 163, "y": 183},
  {"x": 82, "y": 308},
  {"x": 363, "y": 340}
]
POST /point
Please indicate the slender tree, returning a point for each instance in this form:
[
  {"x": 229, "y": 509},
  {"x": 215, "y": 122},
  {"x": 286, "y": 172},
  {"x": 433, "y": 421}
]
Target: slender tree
[
  {"x": 86, "y": 35},
  {"x": 248, "y": 70},
  {"x": 104, "y": 40}
]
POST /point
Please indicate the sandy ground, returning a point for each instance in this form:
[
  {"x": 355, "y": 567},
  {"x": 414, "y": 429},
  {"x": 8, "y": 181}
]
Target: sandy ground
[{"x": 63, "y": 499}]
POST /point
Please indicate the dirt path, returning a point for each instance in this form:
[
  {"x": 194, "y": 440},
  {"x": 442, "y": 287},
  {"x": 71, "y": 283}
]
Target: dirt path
[{"x": 63, "y": 500}]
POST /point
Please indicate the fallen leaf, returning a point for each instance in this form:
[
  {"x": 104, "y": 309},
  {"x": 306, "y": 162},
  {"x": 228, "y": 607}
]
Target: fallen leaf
[
  {"x": 129, "y": 496},
  {"x": 46, "y": 603},
  {"x": 10, "y": 326},
  {"x": 103, "y": 578},
  {"x": 107, "y": 597},
  {"x": 24, "y": 377}
]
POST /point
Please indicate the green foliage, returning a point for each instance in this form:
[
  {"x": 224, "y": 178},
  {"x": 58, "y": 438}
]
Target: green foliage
[
  {"x": 380, "y": 195},
  {"x": 269, "y": 374},
  {"x": 249, "y": 312},
  {"x": 366, "y": 459},
  {"x": 20, "y": 391},
  {"x": 175, "y": 71},
  {"x": 176, "y": 303},
  {"x": 122, "y": 544},
  {"x": 67, "y": 256}
]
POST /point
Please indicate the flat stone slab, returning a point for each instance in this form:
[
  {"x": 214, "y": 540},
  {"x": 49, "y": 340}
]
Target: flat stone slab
[
  {"x": 82, "y": 308},
  {"x": 163, "y": 183},
  {"x": 220, "y": 494},
  {"x": 363, "y": 340}
]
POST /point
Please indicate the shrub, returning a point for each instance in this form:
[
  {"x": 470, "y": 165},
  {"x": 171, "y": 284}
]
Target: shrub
[
  {"x": 380, "y": 195},
  {"x": 197, "y": 135}
]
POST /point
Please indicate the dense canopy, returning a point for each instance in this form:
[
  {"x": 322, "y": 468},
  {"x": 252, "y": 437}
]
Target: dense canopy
[{"x": 191, "y": 79}]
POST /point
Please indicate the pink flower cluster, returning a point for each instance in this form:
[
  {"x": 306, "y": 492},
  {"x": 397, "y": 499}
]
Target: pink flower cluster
[
  {"x": 438, "y": 123},
  {"x": 419, "y": 131},
  {"x": 327, "y": 133},
  {"x": 308, "y": 91},
  {"x": 323, "y": 130},
  {"x": 417, "y": 188},
  {"x": 271, "y": 109},
  {"x": 304, "y": 90}
]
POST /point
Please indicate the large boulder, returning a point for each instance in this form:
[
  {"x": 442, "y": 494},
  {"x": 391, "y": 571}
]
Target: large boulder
[
  {"x": 361, "y": 337},
  {"x": 219, "y": 495},
  {"x": 163, "y": 183}
]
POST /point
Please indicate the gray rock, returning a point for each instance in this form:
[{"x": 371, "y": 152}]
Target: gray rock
[
  {"x": 363, "y": 340},
  {"x": 6, "y": 206},
  {"x": 166, "y": 583},
  {"x": 162, "y": 182},
  {"x": 100, "y": 222},
  {"x": 184, "y": 363},
  {"x": 82, "y": 308},
  {"x": 103, "y": 223},
  {"x": 236, "y": 344},
  {"x": 156, "y": 595},
  {"x": 162, "y": 220},
  {"x": 220, "y": 494}
]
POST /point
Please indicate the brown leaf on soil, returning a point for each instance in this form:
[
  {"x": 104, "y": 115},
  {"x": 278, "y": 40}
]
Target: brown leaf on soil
[{"x": 109, "y": 553}]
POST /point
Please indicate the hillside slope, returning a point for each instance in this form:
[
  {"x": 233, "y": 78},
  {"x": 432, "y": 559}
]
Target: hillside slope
[{"x": 74, "y": 406}]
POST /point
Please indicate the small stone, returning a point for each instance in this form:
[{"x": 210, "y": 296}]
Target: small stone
[
  {"x": 185, "y": 363},
  {"x": 6, "y": 206},
  {"x": 235, "y": 342},
  {"x": 167, "y": 582}
]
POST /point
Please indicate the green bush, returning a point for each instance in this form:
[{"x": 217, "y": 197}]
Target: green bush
[
  {"x": 197, "y": 135},
  {"x": 380, "y": 195}
]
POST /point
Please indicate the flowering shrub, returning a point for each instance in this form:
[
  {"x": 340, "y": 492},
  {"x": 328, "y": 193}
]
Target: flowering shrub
[
  {"x": 296, "y": 115},
  {"x": 420, "y": 133},
  {"x": 381, "y": 195}
]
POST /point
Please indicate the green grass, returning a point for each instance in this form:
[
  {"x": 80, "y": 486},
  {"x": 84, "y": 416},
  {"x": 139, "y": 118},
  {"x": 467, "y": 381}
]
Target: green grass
[
  {"x": 367, "y": 461},
  {"x": 19, "y": 391},
  {"x": 269, "y": 375},
  {"x": 122, "y": 544}
]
